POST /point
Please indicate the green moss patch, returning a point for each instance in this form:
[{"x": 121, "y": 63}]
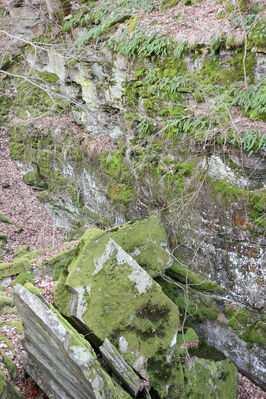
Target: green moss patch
[
  {"x": 5, "y": 219},
  {"x": 23, "y": 278},
  {"x": 48, "y": 77},
  {"x": 11, "y": 269},
  {"x": 9, "y": 365},
  {"x": 22, "y": 250},
  {"x": 207, "y": 379},
  {"x": 120, "y": 188},
  {"x": 8, "y": 343},
  {"x": 34, "y": 290},
  {"x": 7, "y": 390},
  {"x": 146, "y": 242},
  {"x": 246, "y": 323},
  {"x": 58, "y": 263},
  {"x": 198, "y": 307},
  {"x": 6, "y": 301},
  {"x": 195, "y": 280}
]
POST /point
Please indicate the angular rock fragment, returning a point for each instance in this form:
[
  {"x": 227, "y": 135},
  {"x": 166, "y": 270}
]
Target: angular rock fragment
[
  {"x": 60, "y": 360},
  {"x": 120, "y": 367}
]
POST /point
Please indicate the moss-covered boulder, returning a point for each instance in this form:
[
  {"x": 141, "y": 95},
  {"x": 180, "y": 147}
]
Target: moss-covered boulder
[
  {"x": 115, "y": 298},
  {"x": 146, "y": 241},
  {"x": 57, "y": 263},
  {"x": 109, "y": 295},
  {"x": 206, "y": 379},
  {"x": 12, "y": 268}
]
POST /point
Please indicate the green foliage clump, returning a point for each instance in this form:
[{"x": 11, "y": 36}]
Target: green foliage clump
[
  {"x": 216, "y": 43},
  {"x": 256, "y": 206},
  {"x": 139, "y": 44},
  {"x": 181, "y": 49},
  {"x": 48, "y": 77},
  {"x": 257, "y": 33},
  {"x": 19, "y": 328},
  {"x": 81, "y": 17},
  {"x": 97, "y": 32},
  {"x": 185, "y": 125},
  {"x": 6, "y": 301},
  {"x": 145, "y": 126},
  {"x": 21, "y": 250},
  {"x": 252, "y": 141},
  {"x": 170, "y": 3},
  {"x": 252, "y": 100},
  {"x": 8, "y": 343},
  {"x": 120, "y": 186}
]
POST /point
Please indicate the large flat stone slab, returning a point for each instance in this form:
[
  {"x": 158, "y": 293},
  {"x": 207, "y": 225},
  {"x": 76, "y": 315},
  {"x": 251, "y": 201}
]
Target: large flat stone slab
[{"x": 59, "y": 359}]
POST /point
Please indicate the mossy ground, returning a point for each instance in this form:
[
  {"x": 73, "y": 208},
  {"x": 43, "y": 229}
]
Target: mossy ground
[{"x": 7, "y": 390}]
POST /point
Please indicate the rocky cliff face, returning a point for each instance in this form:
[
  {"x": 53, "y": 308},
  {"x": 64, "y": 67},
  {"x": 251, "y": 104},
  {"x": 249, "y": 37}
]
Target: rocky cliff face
[{"x": 209, "y": 195}]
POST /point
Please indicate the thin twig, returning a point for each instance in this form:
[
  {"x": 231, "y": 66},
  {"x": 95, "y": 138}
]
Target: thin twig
[{"x": 245, "y": 45}]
